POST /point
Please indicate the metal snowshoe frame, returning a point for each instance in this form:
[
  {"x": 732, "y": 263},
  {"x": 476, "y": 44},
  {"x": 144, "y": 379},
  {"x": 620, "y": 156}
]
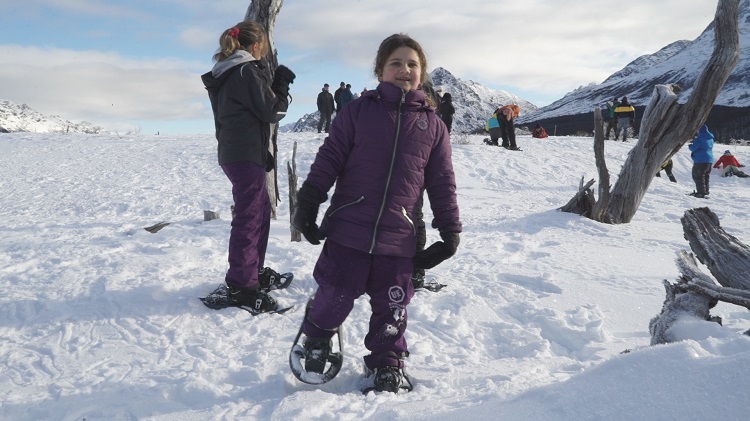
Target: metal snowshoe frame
[{"x": 334, "y": 361}]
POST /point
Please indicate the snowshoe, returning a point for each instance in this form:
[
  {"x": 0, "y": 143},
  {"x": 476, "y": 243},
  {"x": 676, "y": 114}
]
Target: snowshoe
[
  {"x": 418, "y": 280},
  {"x": 254, "y": 302},
  {"x": 433, "y": 286},
  {"x": 269, "y": 279},
  {"x": 315, "y": 362}
]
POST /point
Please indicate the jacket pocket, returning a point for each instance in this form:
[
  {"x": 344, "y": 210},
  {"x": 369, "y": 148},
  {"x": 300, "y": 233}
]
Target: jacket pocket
[{"x": 345, "y": 205}]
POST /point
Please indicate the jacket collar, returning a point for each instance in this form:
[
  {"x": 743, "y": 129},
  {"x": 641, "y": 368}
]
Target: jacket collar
[{"x": 392, "y": 94}]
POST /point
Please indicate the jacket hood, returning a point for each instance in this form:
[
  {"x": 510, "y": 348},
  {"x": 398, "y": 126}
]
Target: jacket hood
[
  {"x": 703, "y": 132},
  {"x": 239, "y": 57}
]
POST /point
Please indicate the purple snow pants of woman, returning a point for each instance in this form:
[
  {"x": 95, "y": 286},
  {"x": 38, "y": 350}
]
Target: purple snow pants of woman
[
  {"x": 343, "y": 274},
  {"x": 248, "y": 239}
]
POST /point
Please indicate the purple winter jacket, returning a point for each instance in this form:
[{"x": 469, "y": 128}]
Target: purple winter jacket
[{"x": 383, "y": 149}]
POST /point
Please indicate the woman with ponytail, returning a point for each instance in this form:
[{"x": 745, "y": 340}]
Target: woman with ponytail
[{"x": 245, "y": 102}]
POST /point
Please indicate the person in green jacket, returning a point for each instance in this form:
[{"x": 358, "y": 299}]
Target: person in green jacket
[{"x": 612, "y": 122}]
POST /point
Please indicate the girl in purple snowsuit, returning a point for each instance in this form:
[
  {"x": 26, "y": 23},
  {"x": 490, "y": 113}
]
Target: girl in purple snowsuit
[
  {"x": 245, "y": 102},
  {"x": 383, "y": 150}
]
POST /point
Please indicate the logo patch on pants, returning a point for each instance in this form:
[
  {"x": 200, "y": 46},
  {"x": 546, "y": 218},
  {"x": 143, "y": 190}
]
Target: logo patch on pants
[{"x": 396, "y": 294}]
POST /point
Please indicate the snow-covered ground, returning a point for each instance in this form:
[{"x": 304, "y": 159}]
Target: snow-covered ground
[{"x": 100, "y": 319}]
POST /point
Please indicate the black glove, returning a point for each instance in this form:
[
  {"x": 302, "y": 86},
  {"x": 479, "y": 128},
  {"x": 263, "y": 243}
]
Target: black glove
[
  {"x": 438, "y": 251},
  {"x": 270, "y": 162},
  {"x": 281, "y": 80},
  {"x": 306, "y": 212},
  {"x": 284, "y": 75}
]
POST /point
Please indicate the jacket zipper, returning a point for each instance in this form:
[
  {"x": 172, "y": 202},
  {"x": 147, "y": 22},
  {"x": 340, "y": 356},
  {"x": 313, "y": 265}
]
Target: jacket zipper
[
  {"x": 390, "y": 173},
  {"x": 406, "y": 215}
]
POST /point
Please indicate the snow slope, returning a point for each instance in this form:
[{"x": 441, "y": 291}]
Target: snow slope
[{"x": 100, "y": 319}]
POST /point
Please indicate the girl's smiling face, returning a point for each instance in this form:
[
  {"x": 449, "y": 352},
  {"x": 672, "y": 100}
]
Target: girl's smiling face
[{"x": 402, "y": 69}]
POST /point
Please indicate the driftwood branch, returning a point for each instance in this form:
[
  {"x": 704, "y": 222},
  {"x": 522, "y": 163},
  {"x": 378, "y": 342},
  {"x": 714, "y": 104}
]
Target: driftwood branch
[
  {"x": 726, "y": 257},
  {"x": 583, "y": 202},
  {"x": 696, "y": 293}
]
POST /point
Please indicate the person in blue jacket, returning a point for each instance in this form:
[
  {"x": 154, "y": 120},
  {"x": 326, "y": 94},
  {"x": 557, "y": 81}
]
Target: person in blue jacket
[{"x": 702, "y": 148}]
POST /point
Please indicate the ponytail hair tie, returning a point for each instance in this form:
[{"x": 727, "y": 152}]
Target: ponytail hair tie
[{"x": 234, "y": 32}]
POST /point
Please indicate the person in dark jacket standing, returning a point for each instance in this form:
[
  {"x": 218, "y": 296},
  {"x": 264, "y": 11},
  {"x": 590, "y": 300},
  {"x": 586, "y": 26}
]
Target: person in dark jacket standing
[
  {"x": 447, "y": 110},
  {"x": 702, "y": 152},
  {"x": 325, "y": 107},
  {"x": 387, "y": 147},
  {"x": 346, "y": 96},
  {"x": 337, "y": 96},
  {"x": 245, "y": 102},
  {"x": 625, "y": 115}
]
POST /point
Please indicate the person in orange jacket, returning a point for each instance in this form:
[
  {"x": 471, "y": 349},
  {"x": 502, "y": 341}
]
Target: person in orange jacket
[
  {"x": 505, "y": 116},
  {"x": 730, "y": 165}
]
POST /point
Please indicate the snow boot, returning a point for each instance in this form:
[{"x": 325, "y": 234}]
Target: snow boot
[
  {"x": 417, "y": 278},
  {"x": 269, "y": 279},
  {"x": 388, "y": 379},
  {"x": 254, "y": 298},
  {"x": 317, "y": 351}
]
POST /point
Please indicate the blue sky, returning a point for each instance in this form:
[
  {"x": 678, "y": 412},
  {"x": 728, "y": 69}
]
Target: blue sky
[{"x": 136, "y": 65}]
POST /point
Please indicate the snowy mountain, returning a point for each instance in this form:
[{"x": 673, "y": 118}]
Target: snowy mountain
[
  {"x": 474, "y": 103},
  {"x": 680, "y": 62},
  {"x": 22, "y": 118}
]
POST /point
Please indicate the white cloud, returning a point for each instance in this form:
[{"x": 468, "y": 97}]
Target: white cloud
[{"x": 100, "y": 87}]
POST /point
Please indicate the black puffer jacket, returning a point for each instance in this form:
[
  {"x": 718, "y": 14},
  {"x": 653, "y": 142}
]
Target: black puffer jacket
[{"x": 244, "y": 107}]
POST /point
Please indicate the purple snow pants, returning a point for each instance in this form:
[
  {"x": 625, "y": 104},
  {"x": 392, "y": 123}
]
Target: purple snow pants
[
  {"x": 248, "y": 239},
  {"x": 343, "y": 274}
]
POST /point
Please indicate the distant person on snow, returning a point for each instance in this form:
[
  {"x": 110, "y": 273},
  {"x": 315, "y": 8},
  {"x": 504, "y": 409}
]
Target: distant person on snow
[
  {"x": 667, "y": 167},
  {"x": 625, "y": 115},
  {"x": 245, "y": 102},
  {"x": 447, "y": 110},
  {"x": 493, "y": 128},
  {"x": 337, "y": 96},
  {"x": 729, "y": 165},
  {"x": 346, "y": 96},
  {"x": 702, "y": 153},
  {"x": 612, "y": 121},
  {"x": 325, "y": 107},
  {"x": 506, "y": 116},
  {"x": 538, "y": 132},
  {"x": 386, "y": 149}
]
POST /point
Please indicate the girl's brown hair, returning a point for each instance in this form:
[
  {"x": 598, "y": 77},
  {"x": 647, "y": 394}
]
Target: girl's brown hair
[
  {"x": 391, "y": 44},
  {"x": 241, "y": 36}
]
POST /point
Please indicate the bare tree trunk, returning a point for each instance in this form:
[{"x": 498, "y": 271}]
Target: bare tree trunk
[
  {"x": 666, "y": 125},
  {"x": 265, "y": 12},
  {"x": 598, "y": 211}
]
